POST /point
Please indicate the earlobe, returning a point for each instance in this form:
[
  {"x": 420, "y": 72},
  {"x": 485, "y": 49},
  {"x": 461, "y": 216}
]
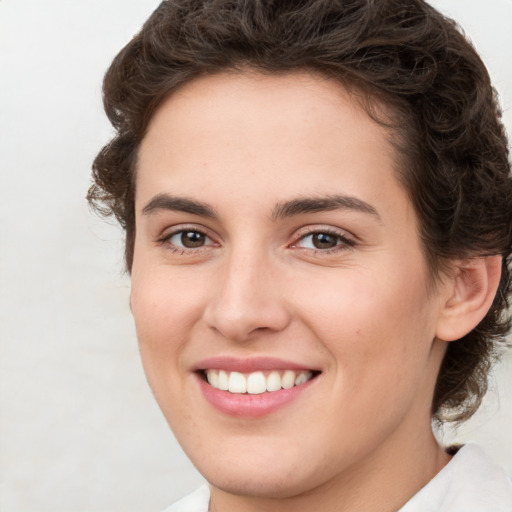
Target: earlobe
[{"x": 472, "y": 290}]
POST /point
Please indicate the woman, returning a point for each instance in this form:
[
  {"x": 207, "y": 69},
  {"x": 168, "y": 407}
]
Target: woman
[{"x": 316, "y": 197}]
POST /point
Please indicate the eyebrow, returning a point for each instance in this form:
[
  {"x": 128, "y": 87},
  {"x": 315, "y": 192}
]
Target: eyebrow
[
  {"x": 322, "y": 204},
  {"x": 179, "y": 204},
  {"x": 282, "y": 210}
]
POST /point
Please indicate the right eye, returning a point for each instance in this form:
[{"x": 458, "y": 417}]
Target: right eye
[{"x": 187, "y": 239}]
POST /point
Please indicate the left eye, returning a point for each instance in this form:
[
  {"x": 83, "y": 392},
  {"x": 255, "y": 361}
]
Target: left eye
[
  {"x": 189, "y": 239},
  {"x": 322, "y": 240}
]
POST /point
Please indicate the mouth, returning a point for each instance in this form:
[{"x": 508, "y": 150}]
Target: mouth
[
  {"x": 256, "y": 382},
  {"x": 251, "y": 388}
]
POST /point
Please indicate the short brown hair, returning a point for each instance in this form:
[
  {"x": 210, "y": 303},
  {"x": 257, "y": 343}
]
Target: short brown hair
[{"x": 404, "y": 54}]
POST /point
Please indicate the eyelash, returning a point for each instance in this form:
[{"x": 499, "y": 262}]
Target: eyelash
[
  {"x": 166, "y": 240},
  {"x": 343, "y": 242}
]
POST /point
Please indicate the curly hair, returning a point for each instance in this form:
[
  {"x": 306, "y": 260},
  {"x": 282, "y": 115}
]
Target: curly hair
[{"x": 403, "y": 54}]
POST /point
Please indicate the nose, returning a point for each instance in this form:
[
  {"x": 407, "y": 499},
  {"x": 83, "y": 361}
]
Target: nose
[{"x": 247, "y": 299}]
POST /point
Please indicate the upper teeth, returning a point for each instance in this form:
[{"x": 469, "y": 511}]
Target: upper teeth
[{"x": 256, "y": 382}]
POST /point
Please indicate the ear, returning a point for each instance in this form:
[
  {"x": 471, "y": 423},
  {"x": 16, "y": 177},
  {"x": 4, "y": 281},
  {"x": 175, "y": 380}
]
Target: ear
[{"x": 470, "y": 292}]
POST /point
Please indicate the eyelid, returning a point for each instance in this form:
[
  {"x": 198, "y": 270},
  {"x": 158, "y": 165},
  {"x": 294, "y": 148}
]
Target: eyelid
[
  {"x": 180, "y": 228},
  {"x": 347, "y": 239},
  {"x": 323, "y": 228}
]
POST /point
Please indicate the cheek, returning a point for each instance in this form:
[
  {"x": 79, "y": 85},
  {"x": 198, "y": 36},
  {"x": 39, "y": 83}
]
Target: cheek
[
  {"x": 163, "y": 323},
  {"x": 376, "y": 327},
  {"x": 164, "y": 306},
  {"x": 165, "y": 311}
]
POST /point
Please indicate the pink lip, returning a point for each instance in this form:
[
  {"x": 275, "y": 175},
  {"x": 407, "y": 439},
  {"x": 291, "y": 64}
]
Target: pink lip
[
  {"x": 248, "y": 365},
  {"x": 250, "y": 406},
  {"x": 246, "y": 405}
]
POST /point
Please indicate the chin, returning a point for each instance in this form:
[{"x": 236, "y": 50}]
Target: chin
[
  {"x": 267, "y": 472},
  {"x": 272, "y": 485}
]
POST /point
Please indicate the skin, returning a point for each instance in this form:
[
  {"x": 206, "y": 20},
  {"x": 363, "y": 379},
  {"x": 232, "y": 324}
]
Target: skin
[{"x": 361, "y": 312}]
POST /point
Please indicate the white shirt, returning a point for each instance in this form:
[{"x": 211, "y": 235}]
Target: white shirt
[{"x": 470, "y": 482}]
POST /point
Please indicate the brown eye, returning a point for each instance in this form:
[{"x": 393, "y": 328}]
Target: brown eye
[
  {"x": 192, "y": 239},
  {"x": 324, "y": 240},
  {"x": 188, "y": 239}
]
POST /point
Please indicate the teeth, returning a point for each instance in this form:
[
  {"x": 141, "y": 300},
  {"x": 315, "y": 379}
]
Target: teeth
[
  {"x": 213, "y": 379},
  {"x": 302, "y": 378},
  {"x": 288, "y": 380},
  {"x": 223, "y": 381},
  {"x": 237, "y": 383},
  {"x": 256, "y": 383},
  {"x": 273, "y": 381}
]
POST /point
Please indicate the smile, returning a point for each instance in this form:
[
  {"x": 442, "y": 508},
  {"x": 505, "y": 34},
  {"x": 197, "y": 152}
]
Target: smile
[
  {"x": 253, "y": 387},
  {"x": 258, "y": 382}
]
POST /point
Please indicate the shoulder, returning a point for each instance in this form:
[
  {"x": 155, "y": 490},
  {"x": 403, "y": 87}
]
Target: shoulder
[
  {"x": 471, "y": 482},
  {"x": 196, "y": 501}
]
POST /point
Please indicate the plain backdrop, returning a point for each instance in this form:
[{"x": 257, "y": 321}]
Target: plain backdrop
[{"x": 79, "y": 430}]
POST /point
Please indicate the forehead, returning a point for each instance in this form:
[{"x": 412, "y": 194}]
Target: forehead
[
  {"x": 245, "y": 144},
  {"x": 250, "y": 97},
  {"x": 298, "y": 121}
]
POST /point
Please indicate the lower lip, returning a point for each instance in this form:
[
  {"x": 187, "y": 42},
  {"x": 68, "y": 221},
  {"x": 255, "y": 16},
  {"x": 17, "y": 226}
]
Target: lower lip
[{"x": 251, "y": 406}]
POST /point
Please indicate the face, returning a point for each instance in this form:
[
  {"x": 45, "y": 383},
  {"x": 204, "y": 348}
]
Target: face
[{"x": 277, "y": 257}]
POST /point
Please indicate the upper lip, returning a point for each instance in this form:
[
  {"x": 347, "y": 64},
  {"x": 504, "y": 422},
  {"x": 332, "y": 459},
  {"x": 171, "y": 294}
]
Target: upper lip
[{"x": 248, "y": 365}]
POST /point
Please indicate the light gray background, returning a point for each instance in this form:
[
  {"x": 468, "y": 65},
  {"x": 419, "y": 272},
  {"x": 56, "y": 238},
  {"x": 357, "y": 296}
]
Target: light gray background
[{"x": 79, "y": 430}]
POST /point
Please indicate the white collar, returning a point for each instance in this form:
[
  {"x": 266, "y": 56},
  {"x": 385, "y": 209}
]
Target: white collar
[{"x": 470, "y": 482}]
